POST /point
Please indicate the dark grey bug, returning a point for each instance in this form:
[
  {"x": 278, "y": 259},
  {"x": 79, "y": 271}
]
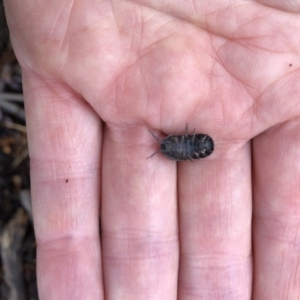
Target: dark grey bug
[{"x": 184, "y": 147}]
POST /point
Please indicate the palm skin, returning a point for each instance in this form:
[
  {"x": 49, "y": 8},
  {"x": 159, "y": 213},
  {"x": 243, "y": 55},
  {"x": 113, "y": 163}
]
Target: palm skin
[{"x": 225, "y": 227}]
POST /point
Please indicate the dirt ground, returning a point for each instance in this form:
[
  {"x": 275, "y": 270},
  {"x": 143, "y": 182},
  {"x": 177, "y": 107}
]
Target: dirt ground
[{"x": 17, "y": 241}]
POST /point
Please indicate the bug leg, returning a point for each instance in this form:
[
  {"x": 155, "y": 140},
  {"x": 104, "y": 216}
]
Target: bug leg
[
  {"x": 186, "y": 129},
  {"x": 194, "y": 136},
  {"x": 191, "y": 160},
  {"x": 153, "y": 154},
  {"x": 204, "y": 138},
  {"x": 154, "y": 136}
]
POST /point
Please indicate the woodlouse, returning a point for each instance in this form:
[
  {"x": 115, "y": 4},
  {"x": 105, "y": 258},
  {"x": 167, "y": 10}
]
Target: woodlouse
[{"x": 187, "y": 146}]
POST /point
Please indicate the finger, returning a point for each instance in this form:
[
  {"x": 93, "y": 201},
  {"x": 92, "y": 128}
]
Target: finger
[
  {"x": 139, "y": 218},
  {"x": 63, "y": 136},
  {"x": 215, "y": 226},
  {"x": 276, "y": 216}
]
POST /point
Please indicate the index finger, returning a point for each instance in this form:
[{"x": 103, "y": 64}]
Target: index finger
[{"x": 64, "y": 138}]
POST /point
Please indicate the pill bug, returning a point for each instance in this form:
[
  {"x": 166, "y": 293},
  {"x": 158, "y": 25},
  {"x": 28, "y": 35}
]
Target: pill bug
[{"x": 184, "y": 147}]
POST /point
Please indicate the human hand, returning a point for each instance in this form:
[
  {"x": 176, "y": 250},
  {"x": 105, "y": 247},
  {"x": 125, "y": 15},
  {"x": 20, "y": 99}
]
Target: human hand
[{"x": 225, "y": 227}]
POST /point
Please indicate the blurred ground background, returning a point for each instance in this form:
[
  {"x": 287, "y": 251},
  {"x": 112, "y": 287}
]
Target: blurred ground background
[{"x": 17, "y": 242}]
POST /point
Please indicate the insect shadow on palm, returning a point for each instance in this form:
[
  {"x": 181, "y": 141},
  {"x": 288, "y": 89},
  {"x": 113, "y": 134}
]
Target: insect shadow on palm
[{"x": 185, "y": 147}]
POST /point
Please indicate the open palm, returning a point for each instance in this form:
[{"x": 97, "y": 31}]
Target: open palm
[{"x": 97, "y": 76}]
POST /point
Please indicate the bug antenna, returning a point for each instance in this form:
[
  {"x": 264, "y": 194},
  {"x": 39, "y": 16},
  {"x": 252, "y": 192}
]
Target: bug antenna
[
  {"x": 152, "y": 154},
  {"x": 154, "y": 136}
]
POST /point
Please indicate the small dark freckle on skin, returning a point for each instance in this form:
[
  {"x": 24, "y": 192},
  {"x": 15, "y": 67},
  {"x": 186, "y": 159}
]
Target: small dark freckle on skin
[
  {"x": 290, "y": 65},
  {"x": 67, "y": 180}
]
